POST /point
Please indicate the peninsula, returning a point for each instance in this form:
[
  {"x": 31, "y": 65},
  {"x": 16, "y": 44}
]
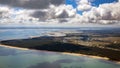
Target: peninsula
[{"x": 94, "y": 42}]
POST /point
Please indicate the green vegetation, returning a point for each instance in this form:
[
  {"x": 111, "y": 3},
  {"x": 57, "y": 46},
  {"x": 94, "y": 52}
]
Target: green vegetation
[
  {"x": 56, "y": 44},
  {"x": 114, "y": 46}
]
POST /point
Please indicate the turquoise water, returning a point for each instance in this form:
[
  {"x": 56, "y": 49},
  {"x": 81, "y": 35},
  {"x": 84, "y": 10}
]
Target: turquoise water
[{"x": 16, "y": 58}]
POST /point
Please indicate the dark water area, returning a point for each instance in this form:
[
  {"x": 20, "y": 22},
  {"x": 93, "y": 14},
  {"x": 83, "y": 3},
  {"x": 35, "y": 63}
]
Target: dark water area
[{"x": 16, "y": 58}]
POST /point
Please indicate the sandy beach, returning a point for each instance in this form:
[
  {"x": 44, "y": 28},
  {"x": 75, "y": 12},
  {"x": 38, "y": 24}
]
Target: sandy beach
[
  {"x": 13, "y": 47},
  {"x": 90, "y": 56}
]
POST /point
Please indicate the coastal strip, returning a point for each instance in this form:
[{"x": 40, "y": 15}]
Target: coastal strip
[
  {"x": 91, "y": 56},
  {"x": 64, "y": 53}
]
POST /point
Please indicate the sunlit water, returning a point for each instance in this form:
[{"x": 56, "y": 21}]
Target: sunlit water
[{"x": 16, "y": 58}]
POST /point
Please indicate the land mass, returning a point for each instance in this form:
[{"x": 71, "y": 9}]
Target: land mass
[{"x": 95, "y": 43}]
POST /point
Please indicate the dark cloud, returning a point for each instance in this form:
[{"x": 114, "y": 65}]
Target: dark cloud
[
  {"x": 31, "y": 4},
  {"x": 63, "y": 20},
  {"x": 39, "y": 14},
  {"x": 42, "y": 15},
  {"x": 2, "y": 14},
  {"x": 57, "y": 2},
  {"x": 64, "y": 14}
]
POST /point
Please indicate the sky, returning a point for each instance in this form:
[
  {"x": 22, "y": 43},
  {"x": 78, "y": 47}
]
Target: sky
[{"x": 66, "y": 13}]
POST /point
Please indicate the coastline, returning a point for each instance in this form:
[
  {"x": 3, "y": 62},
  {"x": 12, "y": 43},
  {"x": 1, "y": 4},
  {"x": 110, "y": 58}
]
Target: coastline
[
  {"x": 14, "y": 47},
  {"x": 67, "y": 53},
  {"x": 91, "y": 56}
]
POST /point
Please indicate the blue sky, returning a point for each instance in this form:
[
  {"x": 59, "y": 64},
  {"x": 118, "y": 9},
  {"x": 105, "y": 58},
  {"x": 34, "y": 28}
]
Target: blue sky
[
  {"x": 94, "y": 2},
  {"x": 71, "y": 2},
  {"x": 98, "y": 2}
]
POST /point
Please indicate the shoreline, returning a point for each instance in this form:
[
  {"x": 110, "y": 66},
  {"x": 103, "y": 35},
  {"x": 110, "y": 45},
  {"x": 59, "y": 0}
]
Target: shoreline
[
  {"x": 91, "y": 56},
  {"x": 14, "y": 47},
  {"x": 67, "y": 53}
]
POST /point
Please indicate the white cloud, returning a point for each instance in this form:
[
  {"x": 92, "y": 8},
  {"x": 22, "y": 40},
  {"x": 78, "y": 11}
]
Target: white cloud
[
  {"x": 2, "y": 9},
  {"x": 10, "y": 15},
  {"x": 83, "y": 2},
  {"x": 84, "y": 5},
  {"x": 108, "y": 12},
  {"x": 58, "y": 10}
]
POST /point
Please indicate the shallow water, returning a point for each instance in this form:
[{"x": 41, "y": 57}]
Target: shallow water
[
  {"x": 16, "y": 58},
  {"x": 7, "y": 34}
]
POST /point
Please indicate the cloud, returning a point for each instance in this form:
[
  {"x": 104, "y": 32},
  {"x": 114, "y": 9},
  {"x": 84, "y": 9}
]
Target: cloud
[
  {"x": 3, "y": 10},
  {"x": 10, "y": 15},
  {"x": 107, "y": 12},
  {"x": 55, "y": 11},
  {"x": 39, "y": 14},
  {"x": 84, "y": 5},
  {"x": 31, "y": 4},
  {"x": 24, "y": 16}
]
